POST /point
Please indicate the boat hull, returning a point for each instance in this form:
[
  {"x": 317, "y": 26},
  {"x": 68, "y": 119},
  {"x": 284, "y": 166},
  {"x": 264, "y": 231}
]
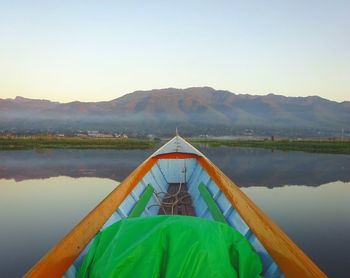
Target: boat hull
[{"x": 179, "y": 162}]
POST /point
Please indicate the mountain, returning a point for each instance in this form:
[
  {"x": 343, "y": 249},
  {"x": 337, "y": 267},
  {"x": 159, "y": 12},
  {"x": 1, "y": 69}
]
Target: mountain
[{"x": 194, "y": 110}]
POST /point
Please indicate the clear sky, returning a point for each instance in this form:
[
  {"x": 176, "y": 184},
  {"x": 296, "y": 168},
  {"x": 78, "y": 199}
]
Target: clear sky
[{"x": 99, "y": 50}]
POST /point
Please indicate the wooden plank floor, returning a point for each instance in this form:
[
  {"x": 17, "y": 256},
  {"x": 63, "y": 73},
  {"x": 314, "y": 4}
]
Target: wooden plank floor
[{"x": 182, "y": 202}]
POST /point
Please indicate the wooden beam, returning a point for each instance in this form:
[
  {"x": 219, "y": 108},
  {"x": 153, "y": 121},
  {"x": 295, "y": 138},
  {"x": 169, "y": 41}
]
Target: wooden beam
[{"x": 176, "y": 155}]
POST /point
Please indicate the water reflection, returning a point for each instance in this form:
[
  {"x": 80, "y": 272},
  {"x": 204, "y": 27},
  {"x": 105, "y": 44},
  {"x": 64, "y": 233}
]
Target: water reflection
[
  {"x": 246, "y": 166},
  {"x": 259, "y": 167},
  {"x": 113, "y": 164},
  {"x": 43, "y": 195},
  {"x": 35, "y": 214},
  {"x": 317, "y": 219}
]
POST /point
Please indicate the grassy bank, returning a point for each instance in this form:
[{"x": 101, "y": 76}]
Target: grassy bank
[
  {"x": 335, "y": 147},
  {"x": 46, "y": 142}
]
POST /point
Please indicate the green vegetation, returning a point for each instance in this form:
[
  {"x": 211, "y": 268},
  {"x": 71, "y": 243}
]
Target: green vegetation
[
  {"x": 336, "y": 147},
  {"x": 51, "y": 142}
]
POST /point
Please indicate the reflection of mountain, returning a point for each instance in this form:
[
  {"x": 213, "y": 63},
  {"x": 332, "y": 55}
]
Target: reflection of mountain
[
  {"x": 247, "y": 167},
  {"x": 22, "y": 165},
  {"x": 258, "y": 167}
]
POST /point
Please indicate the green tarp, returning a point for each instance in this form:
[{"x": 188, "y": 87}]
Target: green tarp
[{"x": 170, "y": 246}]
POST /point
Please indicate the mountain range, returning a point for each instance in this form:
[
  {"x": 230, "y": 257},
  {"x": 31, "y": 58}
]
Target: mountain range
[{"x": 197, "y": 110}]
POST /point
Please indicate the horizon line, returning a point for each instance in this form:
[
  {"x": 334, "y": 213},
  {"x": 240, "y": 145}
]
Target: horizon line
[{"x": 173, "y": 88}]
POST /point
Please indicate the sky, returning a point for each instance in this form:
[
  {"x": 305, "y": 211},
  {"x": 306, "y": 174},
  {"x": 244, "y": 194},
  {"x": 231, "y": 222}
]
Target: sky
[{"x": 99, "y": 50}]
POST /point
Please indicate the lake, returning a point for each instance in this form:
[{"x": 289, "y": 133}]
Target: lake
[{"x": 43, "y": 194}]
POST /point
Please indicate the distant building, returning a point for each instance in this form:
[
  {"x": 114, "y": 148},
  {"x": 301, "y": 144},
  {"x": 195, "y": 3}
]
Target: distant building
[
  {"x": 122, "y": 136},
  {"x": 81, "y": 135},
  {"x": 92, "y": 133}
]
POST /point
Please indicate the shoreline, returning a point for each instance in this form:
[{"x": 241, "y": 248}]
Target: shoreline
[
  {"x": 310, "y": 146},
  {"x": 45, "y": 142},
  {"x": 48, "y": 142}
]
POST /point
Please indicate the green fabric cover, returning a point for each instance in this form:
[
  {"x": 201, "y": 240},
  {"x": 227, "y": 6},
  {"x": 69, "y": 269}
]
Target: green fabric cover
[{"x": 170, "y": 246}]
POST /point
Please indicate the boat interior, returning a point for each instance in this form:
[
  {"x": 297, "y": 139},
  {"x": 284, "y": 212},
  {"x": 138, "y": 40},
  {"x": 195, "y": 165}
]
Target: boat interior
[{"x": 181, "y": 186}]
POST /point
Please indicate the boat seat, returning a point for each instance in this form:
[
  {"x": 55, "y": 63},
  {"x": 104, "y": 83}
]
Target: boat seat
[
  {"x": 142, "y": 202},
  {"x": 210, "y": 202}
]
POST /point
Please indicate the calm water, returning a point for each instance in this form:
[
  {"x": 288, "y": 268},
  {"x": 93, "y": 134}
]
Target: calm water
[{"x": 44, "y": 194}]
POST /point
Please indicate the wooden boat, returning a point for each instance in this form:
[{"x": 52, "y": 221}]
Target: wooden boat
[{"x": 214, "y": 196}]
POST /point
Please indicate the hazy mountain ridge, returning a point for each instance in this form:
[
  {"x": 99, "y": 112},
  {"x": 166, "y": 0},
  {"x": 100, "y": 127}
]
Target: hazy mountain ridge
[{"x": 198, "y": 109}]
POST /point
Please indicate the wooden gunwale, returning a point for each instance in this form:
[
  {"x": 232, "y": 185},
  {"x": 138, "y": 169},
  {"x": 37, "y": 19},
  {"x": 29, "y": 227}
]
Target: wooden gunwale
[
  {"x": 61, "y": 257},
  {"x": 288, "y": 256}
]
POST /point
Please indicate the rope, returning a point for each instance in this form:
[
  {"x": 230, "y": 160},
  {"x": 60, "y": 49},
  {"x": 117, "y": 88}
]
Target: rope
[{"x": 177, "y": 200}]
